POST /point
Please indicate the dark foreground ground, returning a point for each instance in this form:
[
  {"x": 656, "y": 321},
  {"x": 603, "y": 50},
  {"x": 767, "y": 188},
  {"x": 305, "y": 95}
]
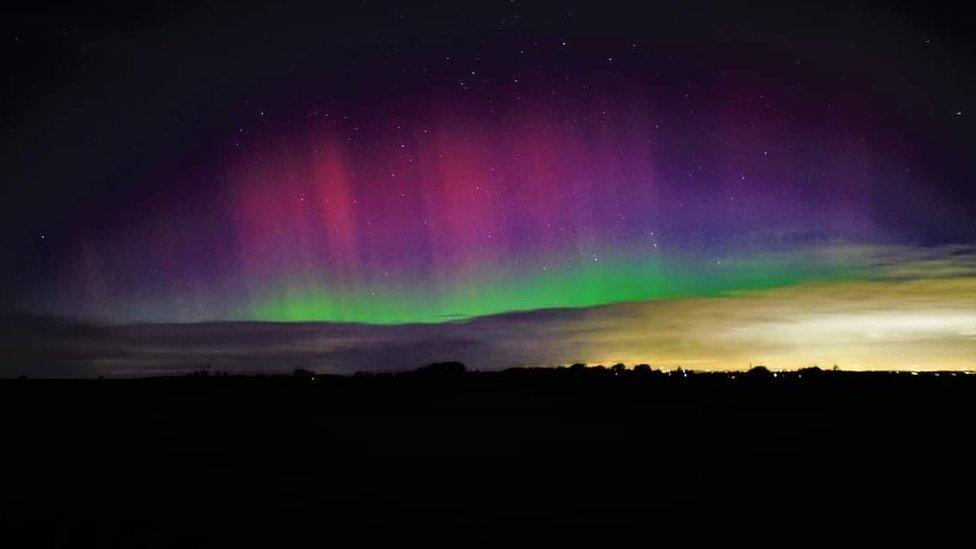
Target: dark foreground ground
[{"x": 297, "y": 461}]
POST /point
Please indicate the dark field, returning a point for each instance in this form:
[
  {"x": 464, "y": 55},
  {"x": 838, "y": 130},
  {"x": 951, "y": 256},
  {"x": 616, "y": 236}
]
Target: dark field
[{"x": 529, "y": 454}]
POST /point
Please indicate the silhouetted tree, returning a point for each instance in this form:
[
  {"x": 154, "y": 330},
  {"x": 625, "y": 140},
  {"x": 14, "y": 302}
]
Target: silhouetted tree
[
  {"x": 442, "y": 369},
  {"x": 812, "y": 371},
  {"x": 759, "y": 372}
]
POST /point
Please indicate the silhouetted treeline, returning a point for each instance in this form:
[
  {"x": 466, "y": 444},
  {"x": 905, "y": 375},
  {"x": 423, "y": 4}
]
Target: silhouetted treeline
[{"x": 453, "y": 370}]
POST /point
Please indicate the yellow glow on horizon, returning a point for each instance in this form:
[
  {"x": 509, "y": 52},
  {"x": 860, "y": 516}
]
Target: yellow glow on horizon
[{"x": 921, "y": 324}]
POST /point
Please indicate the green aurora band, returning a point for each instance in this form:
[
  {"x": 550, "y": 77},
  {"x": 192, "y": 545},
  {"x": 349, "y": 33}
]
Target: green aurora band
[{"x": 582, "y": 283}]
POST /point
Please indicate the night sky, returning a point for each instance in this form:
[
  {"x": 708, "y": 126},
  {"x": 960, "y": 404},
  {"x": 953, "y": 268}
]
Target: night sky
[{"x": 682, "y": 184}]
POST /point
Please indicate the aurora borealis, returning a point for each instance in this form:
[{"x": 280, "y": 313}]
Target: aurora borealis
[
  {"x": 459, "y": 221},
  {"x": 462, "y": 214},
  {"x": 519, "y": 159}
]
